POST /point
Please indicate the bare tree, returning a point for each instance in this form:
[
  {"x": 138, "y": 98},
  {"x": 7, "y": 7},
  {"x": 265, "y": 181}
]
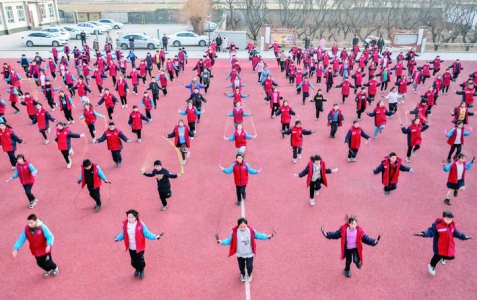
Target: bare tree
[
  {"x": 196, "y": 13},
  {"x": 467, "y": 15},
  {"x": 289, "y": 12},
  {"x": 234, "y": 18},
  {"x": 255, "y": 12},
  {"x": 324, "y": 14}
]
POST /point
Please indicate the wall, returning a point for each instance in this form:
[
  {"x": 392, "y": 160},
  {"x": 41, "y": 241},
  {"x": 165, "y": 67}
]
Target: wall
[
  {"x": 238, "y": 37},
  {"x": 121, "y": 17}
]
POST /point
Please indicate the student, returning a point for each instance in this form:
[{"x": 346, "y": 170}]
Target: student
[
  {"x": 443, "y": 231},
  {"x": 113, "y": 136},
  {"x": 352, "y": 238},
  {"x": 26, "y": 172},
  {"x": 286, "y": 112},
  {"x": 353, "y": 139},
  {"x": 41, "y": 240},
  {"x": 90, "y": 115},
  {"x": 109, "y": 101},
  {"x": 65, "y": 103},
  {"x": 162, "y": 176},
  {"x": 238, "y": 113},
  {"x": 242, "y": 244},
  {"x": 91, "y": 176},
  {"x": 414, "y": 139},
  {"x": 456, "y": 139},
  {"x": 135, "y": 122},
  {"x": 335, "y": 119},
  {"x": 380, "y": 115},
  {"x": 455, "y": 180},
  {"x": 318, "y": 99},
  {"x": 240, "y": 169},
  {"x": 191, "y": 112},
  {"x": 182, "y": 135},
  {"x": 296, "y": 138},
  {"x": 315, "y": 173},
  {"x": 389, "y": 168},
  {"x": 9, "y": 140},
  {"x": 240, "y": 136},
  {"x": 63, "y": 140}
]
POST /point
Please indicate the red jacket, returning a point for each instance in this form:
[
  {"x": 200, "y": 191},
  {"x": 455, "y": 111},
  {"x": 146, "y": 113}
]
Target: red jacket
[
  {"x": 37, "y": 241},
  {"x": 96, "y": 179},
  {"x": 138, "y": 236},
  {"x": 233, "y": 243},
  {"x": 24, "y": 173},
  {"x": 240, "y": 174},
  {"x": 63, "y": 139}
]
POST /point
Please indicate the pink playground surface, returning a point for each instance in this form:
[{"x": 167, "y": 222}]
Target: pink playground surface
[{"x": 299, "y": 263}]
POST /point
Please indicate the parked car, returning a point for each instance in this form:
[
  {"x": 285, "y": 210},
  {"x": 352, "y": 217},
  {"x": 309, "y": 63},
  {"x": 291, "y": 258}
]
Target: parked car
[
  {"x": 113, "y": 24},
  {"x": 213, "y": 26},
  {"x": 57, "y": 30},
  {"x": 140, "y": 41},
  {"x": 91, "y": 28},
  {"x": 39, "y": 38},
  {"x": 186, "y": 38},
  {"x": 75, "y": 32},
  {"x": 105, "y": 26}
]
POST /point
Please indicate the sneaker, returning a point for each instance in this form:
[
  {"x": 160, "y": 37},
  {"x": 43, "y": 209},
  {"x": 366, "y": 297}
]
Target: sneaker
[
  {"x": 120, "y": 163},
  {"x": 349, "y": 159},
  {"x": 347, "y": 273},
  {"x": 299, "y": 156},
  {"x": 141, "y": 274},
  {"x": 116, "y": 164},
  {"x": 375, "y": 138},
  {"x": 127, "y": 105},
  {"x": 71, "y": 152},
  {"x": 69, "y": 164},
  {"x": 184, "y": 162},
  {"x": 387, "y": 192},
  {"x": 408, "y": 159},
  {"x": 456, "y": 192},
  {"x": 72, "y": 121},
  {"x": 443, "y": 262},
  {"x": 97, "y": 208},
  {"x": 312, "y": 202},
  {"x": 353, "y": 159},
  {"x": 358, "y": 265},
  {"x": 414, "y": 153},
  {"x": 18, "y": 111},
  {"x": 48, "y": 130},
  {"x": 250, "y": 277},
  {"x": 238, "y": 203},
  {"x": 46, "y": 142},
  {"x": 317, "y": 193},
  {"x": 138, "y": 140},
  {"x": 56, "y": 271},
  {"x": 187, "y": 154},
  {"x": 242, "y": 278},
  {"x": 432, "y": 271},
  {"x": 13, "y": 168},
  {"x": 294, "y": 160},
  {"x": 122, "y": 106},
  {"x": 94, "y": 140},
  {"x": 33, "y": 203},
  {"x": 69, "y": 122},
  {"x": 47, "y": 274},
  {"x": 164, "y": 208},
  {"x": 316, "y": 119},
  {"x": 447, "y": 201}
]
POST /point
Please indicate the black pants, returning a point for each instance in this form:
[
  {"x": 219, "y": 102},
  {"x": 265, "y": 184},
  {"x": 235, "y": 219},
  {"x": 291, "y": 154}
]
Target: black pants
[
  {"x": 334, "y": 128},
  {"x": 296, "y": 150},
  {"x": 94, "y": 193},
  {"x": 137, "y": 132},
  {"x": 436, "y": 258},
  {"x": 183, "y": 150},
  {"x": 329, "y": 85},
  {"x": 51, "y": 102},
  {"x": 248, "y": 262},
  {"x": 43, "y": 133},
  {"x": 445, "y": 89},
  {"x": 305, "y": 95},
  {"x": 384, "y": 86},
  {"x": 27, "y": 188},
  {"x": 155, "y": 98},
  {"x": 114, "y": 79},
  {"x": 91, "y": 129},
  {"x": 352, "y": 152},
  {"x": 284, "y": 127},
  {"x": 116, "y": 156},
  {"x": 135, "y": 88},
  {"x": 164, "y": 90},
  {"x": 14, "y": 105},
  {"x": 148, "y": 114},
  {"x": 351, "y": 254},
  {"x": 318, "y": 79},
  {"x": 163, "y": 196},
  {"x": 83, "y": 41},
  {"x": 241, "y": 194},
  {"x": 137, "y": 260},
  {"x": 66, "y": 155},
  {"x": 100, "y": 88},
  {"x": 70, "y": 88},
  {"x": 199, "y": 109},
  {"x": 409, "y": 149},
  {"x": 12, "y": 157},
  {"x": 68, "y": 114},
  {"x": 46, "y": 262},
  {"x": 393, "y": 107},
  {"x": 390, "y": 187},
  {"x": 110, "y": 112},
  {"x": 259, "y": 75},
  {"x": 314, "y": 186},
  {"x": 165, "y": 47},
  {"x": 275, "y": 107},
  {"x": 453, "y": 147},
  {"x": 124, "y": 100},
  {"x": 359, "y": 112},
  {"x": 291, "y": 80},
  {"x": 317, "y": 111},
  {"x": 192, "y": 126}
]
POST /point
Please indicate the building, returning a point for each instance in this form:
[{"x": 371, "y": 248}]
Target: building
[{"x": 18, "y": 16}]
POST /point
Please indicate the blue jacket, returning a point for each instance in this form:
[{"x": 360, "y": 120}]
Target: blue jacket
[
  {"x": 147, "y": 234},
  {"x": 95, "y": 114},
  {"x": 451, "y": 132},
  {"x": 197, "y": 86},
  {"x": 230, "y": 169},
  {"x": 247, "y": 136},
  {"x": 30, "y": 166},
  {"x": 257, "y": 236}
]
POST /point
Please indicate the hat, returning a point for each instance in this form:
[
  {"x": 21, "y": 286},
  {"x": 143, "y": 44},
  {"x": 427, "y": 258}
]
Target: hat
[{"x": 111, "y": 123}]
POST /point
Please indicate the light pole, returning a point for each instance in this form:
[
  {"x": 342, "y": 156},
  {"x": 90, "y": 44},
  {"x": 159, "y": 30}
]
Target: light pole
[{"x": 208, "y": 21}]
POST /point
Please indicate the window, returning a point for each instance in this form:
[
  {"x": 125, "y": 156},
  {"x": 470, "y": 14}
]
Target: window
[
  {"x": 50, "y": 10},
  {"x": 9, "y": 11},
  {"x": 20, "y": 13},
  {"x": 43, "y": 11}
]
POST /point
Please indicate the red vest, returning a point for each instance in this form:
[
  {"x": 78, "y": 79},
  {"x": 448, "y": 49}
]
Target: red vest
[
  {"x": 402, "y": 87},
  {"x": 134, "y": 77},
  {"x": 380, "y": 117},
  {"x": 30, "y": 105},
  {"x": 96, "y": 179},
  {"x": 237, "y": 97},
  {"x": 372, "y": 87},
  {"x": 296, "y": 136},
  {"x": 233, "y": 243},
  {"x": 186, "y": 135},
  {"x": 6, "y": 139},
  {"x": 37, "y": 241},
  {"x": 62, "y": 136},
  {"x": 430, "y": 97},
  {"x": 340, "y": 116},
  {"x": 41, "y": 118},
  {"x": 389, "y": 176},
  {"x": 445, "y": 242},
  {"x": 69, "y": 79},
  {"x": 286, "y": 117},
  {"x": 24, "y": 173},
  {"x": 469, "y": 96},
  {"x": 121, "y": 88},
  {"x": 240, "y": 139},
  {"x": 163, "y": 80},
  {"x": 68, "y": 104},
  {"x": 89, "y": 116},
  {"x": 310, "y": 173},
  {"x": 191, "y": 114},
  {"x": 399, "y": 67},
  {"x": 113, "y": 140},
  {"x": 136, "y": 120},
  {"x": 113, "y": 70},
  {"x": 238, "y": 115},
  {"x": 359, "y": 243},
  {"x": 358, "y": 78},
  {"x": 451, "y": 140},
  {"x": 416, "y": 138},
  {"x": 138, "y": 236},
  {"x": 453, "y": 178},
  {"x": 240, "y": 174},
  {"x": 345, "y": 88},
  {"x": 147, "y": 102},
  {"x": 97, "y": 77},
  {"x": 272, "y": 97},
  {"x": 355, "y": 139},
  {"x": 361, "y": 101},
  {"x": 108, "y": 100}
]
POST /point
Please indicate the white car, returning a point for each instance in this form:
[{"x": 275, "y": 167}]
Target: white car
[
  {"x": 113, "y": 24},
  {"x": 187, "y": 38},
  {"x": 75, "y": 32},
  {"x": 39, "y": 38},
  {"x": 105, "y": 26},
  {"x": 91, "y": 28},
  {"x": 57, "y": 30}
]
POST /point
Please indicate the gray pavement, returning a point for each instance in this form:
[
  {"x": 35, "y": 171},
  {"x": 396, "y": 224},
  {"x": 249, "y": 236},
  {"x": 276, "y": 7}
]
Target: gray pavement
[{"x": 11, "y": 47}]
